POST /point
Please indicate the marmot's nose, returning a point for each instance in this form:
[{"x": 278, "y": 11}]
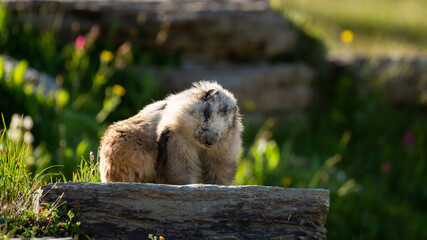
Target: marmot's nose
[{"x": 211, "y": 139}]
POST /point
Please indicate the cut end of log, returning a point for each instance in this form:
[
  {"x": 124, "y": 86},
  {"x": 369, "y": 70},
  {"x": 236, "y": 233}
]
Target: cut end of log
[{"x": 133, "y": 210}]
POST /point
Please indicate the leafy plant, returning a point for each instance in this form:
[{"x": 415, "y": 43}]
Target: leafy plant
[
  {"x": 153, "y": 237},
  {"x": 265, "y": 163},
  {"x": 50, "y": 221}
]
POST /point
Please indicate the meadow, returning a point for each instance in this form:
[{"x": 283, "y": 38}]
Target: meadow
[
  {"x": 371, "y": 154},
  {"x": 378, "y": 27}
]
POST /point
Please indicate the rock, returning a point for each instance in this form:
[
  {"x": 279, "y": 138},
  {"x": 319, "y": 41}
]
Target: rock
[
  {"x": 230, "y": 41},
  {"x": 214, "y": 39},
  {"x": 262, "y": 89},
  {"x": 38, "y": 79},
  {"x": 402, "y": 78},
  {"x": 133, "y": 211},
  {"x": 200, "y": 28}
]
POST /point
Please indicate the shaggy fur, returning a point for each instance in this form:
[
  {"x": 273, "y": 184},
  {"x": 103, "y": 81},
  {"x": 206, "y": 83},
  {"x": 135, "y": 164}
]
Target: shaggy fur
[{"x": 190, "y": 137}]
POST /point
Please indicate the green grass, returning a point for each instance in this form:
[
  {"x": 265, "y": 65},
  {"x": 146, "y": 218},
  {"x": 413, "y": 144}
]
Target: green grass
[
  {"x": 18, "y": 186},
  {"x": 87, "y": 171},
  {"x": 379, "y": 27}
]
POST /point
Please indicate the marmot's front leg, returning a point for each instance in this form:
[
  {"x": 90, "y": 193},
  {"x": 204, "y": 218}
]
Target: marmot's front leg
[
  {"x": 220, "y": 168},
  {"x": 220, "y": 172},
  {"x": 182, "y": 165},
  {"x": 220, "y": 163}
]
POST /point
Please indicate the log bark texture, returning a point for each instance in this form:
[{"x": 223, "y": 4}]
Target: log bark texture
[
  {"x": 206, "y": 28},
  {"x": 133, "y": 211}
]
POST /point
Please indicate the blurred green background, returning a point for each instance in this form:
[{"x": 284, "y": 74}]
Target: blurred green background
[{"x": 369, "y": 153}]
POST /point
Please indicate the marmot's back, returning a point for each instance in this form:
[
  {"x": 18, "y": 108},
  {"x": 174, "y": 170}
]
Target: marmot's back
[{"x": 128, "y": 148}]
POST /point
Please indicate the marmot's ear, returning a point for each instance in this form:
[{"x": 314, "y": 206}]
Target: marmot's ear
[{"x": 208, "y": 95}]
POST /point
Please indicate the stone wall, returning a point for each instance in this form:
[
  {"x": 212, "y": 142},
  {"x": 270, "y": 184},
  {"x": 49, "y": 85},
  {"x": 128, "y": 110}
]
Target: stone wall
[
  {"x": 214, "y": 39},
  {"x": 403, "y": 79},
  {"x": 232, "y": 42}
]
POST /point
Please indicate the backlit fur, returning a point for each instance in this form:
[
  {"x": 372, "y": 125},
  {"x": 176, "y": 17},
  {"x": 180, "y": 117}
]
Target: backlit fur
[{"x": 190, "y": 137}]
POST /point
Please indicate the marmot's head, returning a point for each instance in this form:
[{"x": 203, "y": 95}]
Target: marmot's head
[{"x": 212, "y": 113}]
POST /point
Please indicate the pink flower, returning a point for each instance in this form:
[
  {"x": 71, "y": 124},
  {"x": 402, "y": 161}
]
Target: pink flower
[
  {"x": 80, "y": 42},
  {"x": 409, "y": 140},
  {"x": 386, "y": 167}
]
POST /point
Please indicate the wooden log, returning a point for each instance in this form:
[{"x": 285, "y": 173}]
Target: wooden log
[
  {"x": 133, "y": 210},
  {"x": 203, "y": 28}
]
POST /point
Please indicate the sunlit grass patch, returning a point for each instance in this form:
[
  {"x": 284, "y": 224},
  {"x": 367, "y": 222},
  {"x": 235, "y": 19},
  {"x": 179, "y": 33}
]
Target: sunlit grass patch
[
  {"x": 18, "y": 213},
  {"x": 88, "y": 171},
  {"x": 378, "y": 26},
  {"x": 17, "y": 184}
]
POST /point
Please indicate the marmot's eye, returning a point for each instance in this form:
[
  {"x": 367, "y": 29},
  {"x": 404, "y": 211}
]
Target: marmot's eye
[
  {"x": 207, "y": 113},
  {"x": 223, "y": 111}
]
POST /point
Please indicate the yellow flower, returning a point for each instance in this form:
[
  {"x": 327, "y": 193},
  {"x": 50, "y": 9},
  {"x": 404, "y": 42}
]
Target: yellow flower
[
  {"x": 161, "y": 238},
  {"x": 287, "y": 181},
  {"x": 119, "y": 90},
  {"x": 347, "y": 36},
  {"x": 250, "y": 105},
  {"x": 106, "y": 56}
]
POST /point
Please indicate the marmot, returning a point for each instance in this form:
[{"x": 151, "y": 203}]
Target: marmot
[{"x": 190, "y": 137}]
